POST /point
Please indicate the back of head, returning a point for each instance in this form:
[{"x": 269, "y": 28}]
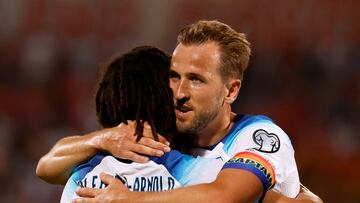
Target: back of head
[
  {"x": 235, "y": 49},
  {"x": 135, "y": 86}
]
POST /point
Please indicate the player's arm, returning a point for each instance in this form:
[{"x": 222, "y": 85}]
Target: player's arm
[
  {"x": 305, "y": 196},
  {"x": 232, "y": 185},
  {"x": 55, "y": 167}
]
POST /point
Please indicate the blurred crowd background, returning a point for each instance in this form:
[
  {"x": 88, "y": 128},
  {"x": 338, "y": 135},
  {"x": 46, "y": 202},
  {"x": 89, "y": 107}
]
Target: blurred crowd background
[{"x": 304, "y": 73}]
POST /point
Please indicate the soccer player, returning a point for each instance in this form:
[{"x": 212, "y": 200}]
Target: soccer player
[
  {"x": 252, "y": 153},
  {"x": 133, "y": 88},
  {"x": 135, "y": 78}
]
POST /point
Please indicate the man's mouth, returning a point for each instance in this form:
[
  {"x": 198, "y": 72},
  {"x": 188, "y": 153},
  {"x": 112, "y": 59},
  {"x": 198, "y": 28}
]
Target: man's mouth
[
  {"x": 183, "y": 109},
  {"x": 182, "y": 112}
]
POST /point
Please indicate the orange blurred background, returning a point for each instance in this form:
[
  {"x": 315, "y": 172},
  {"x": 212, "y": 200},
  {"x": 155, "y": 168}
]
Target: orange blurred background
[{"x": 304, "y": 73}]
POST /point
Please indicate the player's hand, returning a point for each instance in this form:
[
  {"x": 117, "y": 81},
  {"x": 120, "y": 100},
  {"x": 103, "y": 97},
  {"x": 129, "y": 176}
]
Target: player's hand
[
  {"x": 114, "y": 192},
  {"x": 121, "y": 142},
  {"x": 306, "y": 195}
]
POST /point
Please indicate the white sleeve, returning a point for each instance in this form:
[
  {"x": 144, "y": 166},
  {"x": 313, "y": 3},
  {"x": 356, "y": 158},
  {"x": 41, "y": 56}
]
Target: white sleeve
[{"x": 269, "y": 146}]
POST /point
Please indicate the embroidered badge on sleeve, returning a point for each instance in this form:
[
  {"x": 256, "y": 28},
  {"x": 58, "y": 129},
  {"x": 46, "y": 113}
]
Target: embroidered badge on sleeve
[{"x": 268, "y": 142}]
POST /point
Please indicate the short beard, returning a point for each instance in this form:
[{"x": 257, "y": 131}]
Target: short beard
[{"x": 200, "y": 122}]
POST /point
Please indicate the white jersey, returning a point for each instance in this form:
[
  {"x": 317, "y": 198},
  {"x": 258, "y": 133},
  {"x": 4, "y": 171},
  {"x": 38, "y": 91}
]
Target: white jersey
[{"x": 254, "y": 144}]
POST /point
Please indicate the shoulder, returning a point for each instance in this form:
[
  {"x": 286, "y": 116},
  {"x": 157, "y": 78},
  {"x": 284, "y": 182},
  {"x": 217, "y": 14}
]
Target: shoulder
[
  {"x": 257, "y": 139},
  {"x": 172, "y": 160},
  {"x": 89, "y": 164},
  {"x": 247, "y": 121},
  {"x": 256, "y": 131}
]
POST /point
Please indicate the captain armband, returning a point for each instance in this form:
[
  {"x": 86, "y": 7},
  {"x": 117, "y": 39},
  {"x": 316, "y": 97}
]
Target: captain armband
[{"x": 255, "y": 164}]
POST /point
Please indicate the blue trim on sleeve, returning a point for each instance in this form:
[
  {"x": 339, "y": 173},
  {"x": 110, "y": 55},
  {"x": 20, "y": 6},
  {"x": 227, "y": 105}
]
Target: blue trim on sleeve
[{"x": 252, "y": 169}]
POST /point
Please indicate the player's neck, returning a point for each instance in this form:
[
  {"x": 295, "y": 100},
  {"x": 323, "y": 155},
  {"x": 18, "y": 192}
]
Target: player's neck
[{"x": 216, "y": 130}]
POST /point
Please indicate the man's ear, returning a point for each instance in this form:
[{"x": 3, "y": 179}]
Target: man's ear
[{"x": 233, "y": 89}]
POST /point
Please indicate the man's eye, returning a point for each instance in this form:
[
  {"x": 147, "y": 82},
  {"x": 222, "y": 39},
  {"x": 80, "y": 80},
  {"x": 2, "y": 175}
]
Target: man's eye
[
  {"x": 196, "y": 79},
  {"x": 173, "y": 76}
]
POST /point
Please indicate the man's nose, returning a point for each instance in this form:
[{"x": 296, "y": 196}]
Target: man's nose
[{"x": 181, "y": 90}]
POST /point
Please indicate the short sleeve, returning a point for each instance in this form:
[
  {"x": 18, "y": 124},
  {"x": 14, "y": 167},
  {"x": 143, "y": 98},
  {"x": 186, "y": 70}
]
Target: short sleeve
[{"x": 264, "y": 149}]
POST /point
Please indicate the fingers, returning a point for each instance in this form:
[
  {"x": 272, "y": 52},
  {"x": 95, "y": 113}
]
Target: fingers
[
  {"x": 148, "y": 133},
  {"x": 303, "y": 188},
  {"x": 121, "y": 142},
  {"x": 135, "y": 151},
  {"x": 132, "y": 156},
  {"x": 106, "y": 178},
  {"x": 83, "y": 200},
  {"x": 128, "y": 131},
  {"x": 150, "y": 143},
  {"x": 110, "y": 180},
  {"x": 161, "y": 140},
  {"x": 87, "y": 192},
  {"x": 141, "y": 148}
]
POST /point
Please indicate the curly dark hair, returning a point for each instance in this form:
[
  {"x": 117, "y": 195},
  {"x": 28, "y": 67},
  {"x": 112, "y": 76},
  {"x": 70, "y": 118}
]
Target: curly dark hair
[{"x": 135, "y": 86}]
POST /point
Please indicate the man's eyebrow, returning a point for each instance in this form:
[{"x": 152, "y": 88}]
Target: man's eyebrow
[
  {"x": 172, "y": 72},
  {"x": 196, "y": 75}
]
